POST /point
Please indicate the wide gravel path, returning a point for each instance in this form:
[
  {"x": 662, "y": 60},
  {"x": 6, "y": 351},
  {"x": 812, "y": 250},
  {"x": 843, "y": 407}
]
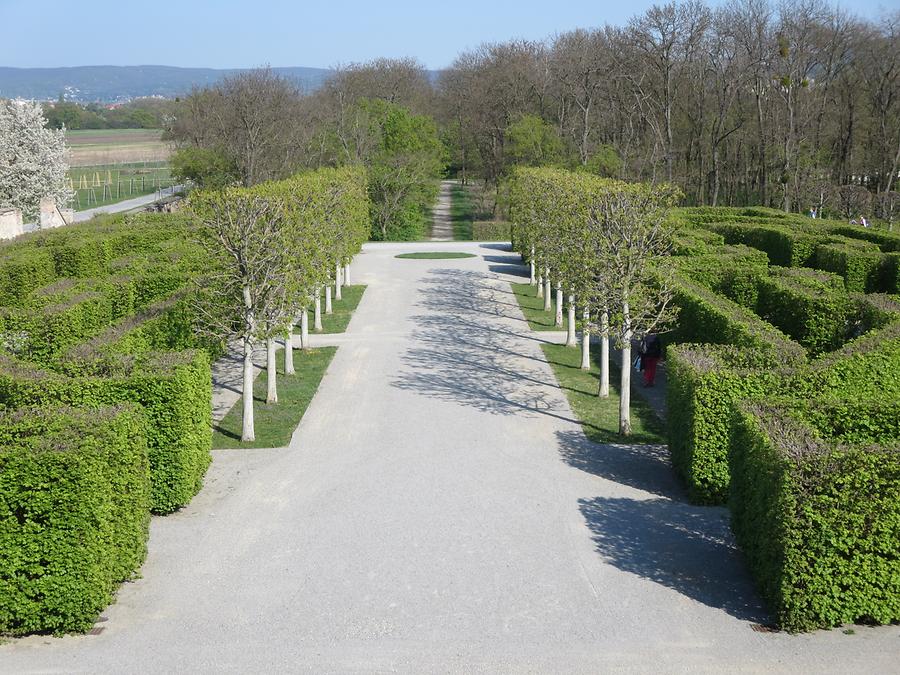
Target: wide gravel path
[{"x": 438, "y": 510}]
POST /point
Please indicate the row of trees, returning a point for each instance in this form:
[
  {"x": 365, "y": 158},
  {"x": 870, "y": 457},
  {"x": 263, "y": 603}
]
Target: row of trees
[
  {"x": 604, "y": 246},
  {"x": 141, "y": 113},
  {"x": 274, "y": 249},
  {"x": 257, "y": 127},
  {"x": 744, "y": 103}
]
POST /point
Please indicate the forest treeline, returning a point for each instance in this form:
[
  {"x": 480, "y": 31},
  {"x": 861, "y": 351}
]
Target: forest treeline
[{"x": 795, "y": 105}]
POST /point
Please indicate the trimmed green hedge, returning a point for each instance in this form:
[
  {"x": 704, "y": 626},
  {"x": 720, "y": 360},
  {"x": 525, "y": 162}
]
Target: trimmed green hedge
[
  {"x": 704, "y": 383},
  {"x": 858, "y": 262},
  {"x": 707, "y": 317},
  {"x": 886, "y": 241},
  {"x": 22, "y": 271},
  {"x": 732, "y": 271},
  {"x": 491, "y": 230},
  {"x": 785, "y": 245},
  {"x": 818, "y": 520},
  {"x": 815, "y": 315},
  {"x": 74, "y": 514},
  {"x": 174, "y": 389}
]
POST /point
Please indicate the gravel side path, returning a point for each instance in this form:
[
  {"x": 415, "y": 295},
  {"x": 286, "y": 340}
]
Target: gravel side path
[
  {"x": 442, "y": 225},
  {"x": 440, "y": 510}
]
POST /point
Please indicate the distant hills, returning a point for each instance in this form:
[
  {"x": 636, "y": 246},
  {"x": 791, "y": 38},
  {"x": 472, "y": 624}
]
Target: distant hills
[{"x": 109, "y": 84}]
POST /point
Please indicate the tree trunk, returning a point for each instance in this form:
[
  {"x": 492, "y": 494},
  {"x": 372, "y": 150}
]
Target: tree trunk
[
  {"x": 625, "y": 383},
  {"x": 571, "y": 339},
  {"x": 328, "y": 308},
  {"x": 540, "y": 283},
  {"x": 304, "y": 329},
  {"x": 317, "y": 320},
  {"x": 603, "y": 390},
  {"x": 585, "y": 342},
  {"x": 548, "y": 291},
  {"x": 533, "y": 277},
  {"x": 347, "y": 274},
  {"x": 271, "y": 372},
  {"x": 337, "y": 282},
  {"x": 289, "y": 351},
  {"x": 559, "y": 304},
  {"x": 247, "y": 428}
]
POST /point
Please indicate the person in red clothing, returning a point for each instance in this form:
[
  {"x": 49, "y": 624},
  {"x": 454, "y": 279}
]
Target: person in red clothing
[{"x": 651, "y": 353}]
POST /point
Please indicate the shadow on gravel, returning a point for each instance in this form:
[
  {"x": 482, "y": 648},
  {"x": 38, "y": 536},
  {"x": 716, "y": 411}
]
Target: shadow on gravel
[
  {"x": 641, "y": 466},
  {"x": 461, "y": 355},
  {"x": 498, "y": 247},
  {"x": 512, "y": 270},
  {"x": 686, "y": 548}
]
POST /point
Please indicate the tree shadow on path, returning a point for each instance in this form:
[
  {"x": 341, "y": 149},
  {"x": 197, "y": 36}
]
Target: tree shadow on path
[{"x": 687, "y": 548}]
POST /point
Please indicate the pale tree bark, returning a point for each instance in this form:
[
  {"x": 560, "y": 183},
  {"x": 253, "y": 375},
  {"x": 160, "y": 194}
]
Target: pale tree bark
[
  {"x": 625, "y": 383},
  {"x": 317, "y": 321},
  {"x": 347, "y": 274},
  {"x": 585, "y": 342},
  {"x": 289, "y": 351},
  {"x": 337, "y": 281},
  {"x": 271, "y": 374},
  {"x": 571, "y": 338},
  {"x": 548, "y": 291},
  {"x": 533, "y": 277},
  {"x": 603, "y": 390},
  {"x": 247, "y": 427},
  {"x": 328, "y": 308},
  {"x": 559, "y": 304},
  {"x": 540, "y": 283},
  {"x": 304, "y": 328}
]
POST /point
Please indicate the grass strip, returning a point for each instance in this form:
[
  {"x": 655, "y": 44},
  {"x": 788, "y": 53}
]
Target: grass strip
[
  {"x": 462, "y": 212},
  {"x": 599, "y": 417},
  {"x": 533, "y": 308},
  {"x": 343, "y": 310},
  {"x": 275, "y": 424},
  {"x": 435, "y": 255}
]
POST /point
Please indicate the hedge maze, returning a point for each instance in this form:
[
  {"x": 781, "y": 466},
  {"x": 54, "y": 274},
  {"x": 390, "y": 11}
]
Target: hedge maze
[
  {"x": 784, "y": 402},
  {"x": 106, "y": 391}
]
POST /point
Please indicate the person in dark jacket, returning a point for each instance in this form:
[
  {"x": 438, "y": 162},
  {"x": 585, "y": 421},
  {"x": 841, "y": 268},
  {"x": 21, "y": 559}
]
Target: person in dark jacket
[{"x": 651, "y": 353}]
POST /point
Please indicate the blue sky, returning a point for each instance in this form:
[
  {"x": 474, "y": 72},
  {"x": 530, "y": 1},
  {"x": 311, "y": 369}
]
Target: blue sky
[{"x": 245, "y": 33}]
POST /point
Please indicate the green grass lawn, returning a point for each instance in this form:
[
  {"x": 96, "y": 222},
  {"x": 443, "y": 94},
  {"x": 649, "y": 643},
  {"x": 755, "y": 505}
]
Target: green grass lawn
[
  {"x": 462, "y": 212},
  {"x": 600, "y": 417},
  {"x": 275, "y": 423},
  {"x": 533, "y": 308},
  {"x": 343, "y": 310},
  {"x": 435, "y": 255}
]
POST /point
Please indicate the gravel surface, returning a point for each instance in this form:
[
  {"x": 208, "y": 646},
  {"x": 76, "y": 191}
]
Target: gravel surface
[{"x": 439, "y": 510}]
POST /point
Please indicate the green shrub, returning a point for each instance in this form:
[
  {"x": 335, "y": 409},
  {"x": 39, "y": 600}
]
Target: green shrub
[
  {"x": 74, "y": 514},
  {"x": 694, "y": 242},
  {"x": 706, "y": 317},
  {"x": 859, "y": 263},
  {"x": 786, "y": 246},
  {"x": 865, "y": 368},
  {"x": 174, "y": 390},
  {"x": 887, "y": 241},
  {"x": 732, "y": 271},
  {"x": 491, "y": 230},
  {"x": 816, "y": 317},
  {"x": 704, "y": 384},
  {"x": 873, "y": 311},
  {"x": 82, "y": 257},
  {"x": 818, "y": 520},
  {"x": 22, "y": 271}
]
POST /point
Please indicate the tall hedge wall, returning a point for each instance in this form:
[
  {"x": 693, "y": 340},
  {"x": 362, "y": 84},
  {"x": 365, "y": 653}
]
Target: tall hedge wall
[
  {"x": 74, "y": 513},
  {"x": 818, "y": 519}
]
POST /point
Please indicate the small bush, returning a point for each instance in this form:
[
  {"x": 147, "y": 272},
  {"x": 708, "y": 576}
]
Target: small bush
[
  {"x": 74, "y": 514},
  {"x": 818, "y": 520}
]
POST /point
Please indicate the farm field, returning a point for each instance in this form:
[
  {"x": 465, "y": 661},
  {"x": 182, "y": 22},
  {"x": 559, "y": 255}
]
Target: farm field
[
  {"x": 111, "y": 183},
  {"x": 92, "y": 147}
]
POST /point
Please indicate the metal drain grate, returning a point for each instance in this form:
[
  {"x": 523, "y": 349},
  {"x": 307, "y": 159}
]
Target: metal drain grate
[
  {"x": 763, "y": 628},
  {"x": 96, "y": 630}
]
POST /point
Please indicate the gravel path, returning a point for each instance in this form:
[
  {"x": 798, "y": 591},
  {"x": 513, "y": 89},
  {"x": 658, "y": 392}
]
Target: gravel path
[
  {"x": 438, "y": 510},
  {"x": 442, "y": 225}
]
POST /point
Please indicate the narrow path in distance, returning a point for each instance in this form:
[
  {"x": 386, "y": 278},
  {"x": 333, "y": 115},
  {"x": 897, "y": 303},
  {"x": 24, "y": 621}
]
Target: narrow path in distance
[
  {"x": 442, "y": 223},
  {"x": 439, "y": 509}
]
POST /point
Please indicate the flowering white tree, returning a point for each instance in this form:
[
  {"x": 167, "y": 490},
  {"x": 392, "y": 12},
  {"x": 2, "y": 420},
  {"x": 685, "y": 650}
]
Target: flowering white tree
[{"x": 32, "y": 158}]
